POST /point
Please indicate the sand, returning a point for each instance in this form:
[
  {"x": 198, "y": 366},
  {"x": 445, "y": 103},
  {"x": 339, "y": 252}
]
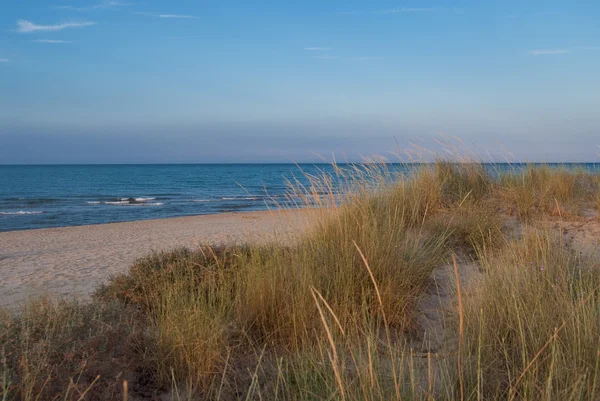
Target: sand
[{"x": 73, "y": 261}]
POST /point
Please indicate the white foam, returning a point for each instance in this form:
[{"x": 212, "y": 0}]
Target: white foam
[
  {"x": 94, "y": 203},
  {"x": 128, "y": 203},
  {"x": 19, "y": 213},
  {"x": 240, "y": 198},
  {"x": 130, "y": 200}
]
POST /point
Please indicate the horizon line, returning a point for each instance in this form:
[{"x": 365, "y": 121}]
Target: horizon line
[{"x": 287, "y": 163}]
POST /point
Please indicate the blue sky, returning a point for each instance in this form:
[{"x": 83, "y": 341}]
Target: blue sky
[{"x": 188, "y": 81}]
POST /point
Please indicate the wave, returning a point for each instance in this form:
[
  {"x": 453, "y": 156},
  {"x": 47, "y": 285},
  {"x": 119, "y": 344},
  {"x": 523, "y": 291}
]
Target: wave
[
  {"x": 30, "y": 201},
  {"x": 139, "y": 201},
  {"x": 19, "y": 213},
  {"x": 134, "y": 202},
  {"x": 132, "y": 199},
  {"x": 228, "y": 198},
  {"x": 239, "y": 198},
  {"x": 148, "y": 201}
]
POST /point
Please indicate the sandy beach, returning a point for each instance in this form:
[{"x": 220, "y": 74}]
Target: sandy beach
[{"x": 75, "y": 260}]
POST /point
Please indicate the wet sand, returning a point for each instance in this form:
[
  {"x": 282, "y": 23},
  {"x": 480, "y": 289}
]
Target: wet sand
[{"x": 75, "y": 260}]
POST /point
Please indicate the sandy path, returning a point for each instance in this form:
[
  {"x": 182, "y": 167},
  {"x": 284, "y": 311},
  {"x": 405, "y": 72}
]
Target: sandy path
[{"x": 75, "y": 260}]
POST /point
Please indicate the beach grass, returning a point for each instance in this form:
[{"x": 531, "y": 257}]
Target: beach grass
[
  {"x": 537, "y": 336},
  {"x": 345, "y": 311}
]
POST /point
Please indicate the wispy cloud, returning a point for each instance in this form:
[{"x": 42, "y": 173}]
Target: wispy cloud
[
  {"x": 363, "y": 58},
  {"x": 52, "y": 41},
  {"x": 536, "y": 14},
  {"x": 358, "y": 58},
  {"x": 111, "y": 5},
  {"x": 407, "y": 10},
  {"x": 4, "y": 60},
  {"x": 549, "y": 52},
  {"x": 403, "y": 10},
  {"x": 327, "y": 57},
  {"x": 24, "y": 26},
  {"x": 170, "y": 16},
  {"x": 317, "y": 49}
]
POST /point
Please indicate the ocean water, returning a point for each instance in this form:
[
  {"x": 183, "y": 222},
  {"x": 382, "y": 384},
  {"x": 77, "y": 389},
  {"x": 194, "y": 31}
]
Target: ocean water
[{"x": 67, "y": 195}]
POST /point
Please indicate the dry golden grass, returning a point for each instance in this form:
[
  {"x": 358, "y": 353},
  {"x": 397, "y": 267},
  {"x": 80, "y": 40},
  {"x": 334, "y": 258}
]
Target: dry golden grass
[
  {"x": 334, "y": 315},
  {"x": 61, "y": 350},
  {"x": 542, "y": 189},
  {"x": 537, "y": 337}
]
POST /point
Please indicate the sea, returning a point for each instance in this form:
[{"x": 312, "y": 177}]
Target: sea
[{"x": 43, "y": 196}]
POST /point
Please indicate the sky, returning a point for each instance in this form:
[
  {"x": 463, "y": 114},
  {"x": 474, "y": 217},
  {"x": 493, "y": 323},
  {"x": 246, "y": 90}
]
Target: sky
[{"x": 157, "y": 81}]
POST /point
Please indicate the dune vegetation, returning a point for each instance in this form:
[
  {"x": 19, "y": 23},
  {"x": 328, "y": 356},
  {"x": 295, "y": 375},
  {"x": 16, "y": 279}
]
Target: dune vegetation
[{"x": 450, "y": 282}]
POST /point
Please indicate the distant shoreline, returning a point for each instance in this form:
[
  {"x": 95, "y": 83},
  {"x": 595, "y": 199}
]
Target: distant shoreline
[
  {"x": 520, "y": 163},
  {"x": 157, "y": 219}
]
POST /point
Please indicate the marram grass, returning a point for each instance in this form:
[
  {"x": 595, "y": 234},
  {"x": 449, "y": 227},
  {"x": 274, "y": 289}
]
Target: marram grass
[{"x": 336, "y": 314}]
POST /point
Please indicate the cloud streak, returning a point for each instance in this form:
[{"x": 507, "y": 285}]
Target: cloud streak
[
  {"x": 358, "y": 58},
  {"x": 549, "y": 52},
  {"x": 4, "y": 60},
  {"x": 317, "y": 49},
  {"x": 24, "y": 26},
  {"x": 111, "y": 5},
  {"x": 536, "y": 15},
  {"x": 362, "y": 58},
  {"x": 166, "y": 16},
  {"x": 52, "y": 41},
  {"x": 398, "y": 10},
  {"x": 403, "y": 10}
]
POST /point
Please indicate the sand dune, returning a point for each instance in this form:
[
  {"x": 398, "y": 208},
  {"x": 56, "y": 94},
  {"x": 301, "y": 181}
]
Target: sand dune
[{"x": 75, "y": 260}]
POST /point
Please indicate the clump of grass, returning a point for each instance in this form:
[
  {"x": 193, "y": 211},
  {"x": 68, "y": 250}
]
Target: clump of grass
[
  {"x": 519, "y": 196},
  {"x": 463, "y": 180},
  {"x": 192, "y": 300},
  {"x": 59, "y": 349},
  {"x": 388, "y": 226},
  {"x": 469, "y": 228},
  {"x": 364, "y": 370},
  {"x": 542, "y": 189},
  {"x": 532, "y": 329}
]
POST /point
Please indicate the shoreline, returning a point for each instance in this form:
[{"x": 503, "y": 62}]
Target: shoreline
[
  {"x": 191, "y": 216},
  {"x": 75, "y": 260}
]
